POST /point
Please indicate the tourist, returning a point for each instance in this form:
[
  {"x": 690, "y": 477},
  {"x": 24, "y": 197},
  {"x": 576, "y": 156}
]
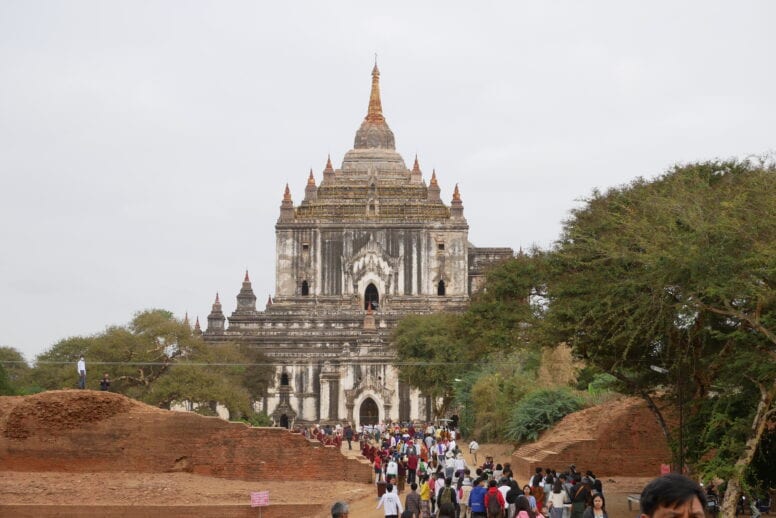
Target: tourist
[
  {"x": 674, "y": 496},
  {"x": 460, "y": 465},
  {"x": 81, "y": 369},
  {"x": 425, "y": 497},
  {"x": 390, "y": 503},
  {"x": 537, "y": 489},
  {"x": 378, "y": 466},
  {"x": 477, "y": 498},
  {"x": 447, "y": 495},
  {"x": 339, "y": 510},
  {"x": 412, "y": 501},
  {"x": 524, "y": 509},
  {"x": 349, "y": 435},
  {"x": 412, "y": 466},
  {"x": 105, "y": 382},
  {"x": 558, "y": 499},
  {"x": 531, "y": 499},
  {"x": 598, "y": 509},
  {"x": 473, "y": 447},
  {"x": 581, "y": 498},
  {"x": 446, "y": 510},
  {"x": 464, "y": 490},
  {"x": 492, "y": 498},
  {"x": 391, "y": 470}
]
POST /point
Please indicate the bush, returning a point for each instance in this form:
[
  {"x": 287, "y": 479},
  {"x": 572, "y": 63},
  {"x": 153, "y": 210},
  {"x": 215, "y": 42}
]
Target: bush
[
  {"x": 257, "y": 419},
  {"x": 538, "y": 411}
]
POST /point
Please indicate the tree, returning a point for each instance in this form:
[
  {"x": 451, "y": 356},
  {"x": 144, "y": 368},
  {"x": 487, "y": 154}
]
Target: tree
[
  {"x": 157, "y": 359},
  {"x": 429, "y": 354},
  {"x": 16, "y": 368},
  {"x": 677, "y": 273}
]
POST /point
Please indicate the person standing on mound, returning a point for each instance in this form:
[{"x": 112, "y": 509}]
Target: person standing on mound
[{"x": 81, "y": 368}]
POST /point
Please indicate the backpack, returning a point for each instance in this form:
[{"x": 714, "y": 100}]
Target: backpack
[
  {"x": 446, "y": 495},
  {"x": 494, "y": 506}
]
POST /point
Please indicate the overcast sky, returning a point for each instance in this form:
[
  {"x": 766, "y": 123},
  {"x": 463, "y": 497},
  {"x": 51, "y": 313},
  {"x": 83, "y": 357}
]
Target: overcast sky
[{"x": 144, "y": 146}]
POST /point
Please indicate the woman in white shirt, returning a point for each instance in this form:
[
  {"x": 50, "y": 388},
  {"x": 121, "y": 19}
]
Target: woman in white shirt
[{"x": 558, "y": 498}]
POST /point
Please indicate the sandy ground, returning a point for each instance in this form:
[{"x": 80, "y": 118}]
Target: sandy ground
[{"x": 122, "y": 488}]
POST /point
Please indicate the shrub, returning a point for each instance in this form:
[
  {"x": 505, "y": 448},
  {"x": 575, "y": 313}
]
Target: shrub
[{"x": 538, "y": 411}]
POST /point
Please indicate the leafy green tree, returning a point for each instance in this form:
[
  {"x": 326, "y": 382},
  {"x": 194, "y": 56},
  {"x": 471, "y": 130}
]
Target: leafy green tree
[
  {"x": 159, "y": 360},
  {"x": 6, "y": 388},
  {"x": 430, "y": 354},
  {"x": 16, "y": 368},
  {"x": 677, "y": 273},
  {"x": 538, "y": 411}
]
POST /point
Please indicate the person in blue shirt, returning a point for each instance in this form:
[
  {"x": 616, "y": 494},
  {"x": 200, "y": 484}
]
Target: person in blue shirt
[{"x": 477, "y": 499}]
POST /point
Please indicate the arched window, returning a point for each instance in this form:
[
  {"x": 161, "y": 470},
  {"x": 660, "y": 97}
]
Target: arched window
[
  {"x": 441, "y": 288},
  {"x": 371, "y": 297},
  {"x": 284, "y": 379},
  {"x": 305, "y": 288}
]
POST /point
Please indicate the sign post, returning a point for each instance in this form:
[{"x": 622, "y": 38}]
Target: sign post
[{"x": 259, "y": 499}]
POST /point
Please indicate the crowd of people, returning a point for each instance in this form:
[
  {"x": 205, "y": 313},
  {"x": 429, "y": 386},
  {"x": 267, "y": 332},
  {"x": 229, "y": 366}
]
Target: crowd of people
[{"x": 441, "y": 483}]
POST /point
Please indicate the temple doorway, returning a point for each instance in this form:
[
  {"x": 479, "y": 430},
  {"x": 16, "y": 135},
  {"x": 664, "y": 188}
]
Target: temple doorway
[
  {"x": 284, "y": 421},
  {"x": 371, "y": 297},
  {"x": 368, "y": 413}
]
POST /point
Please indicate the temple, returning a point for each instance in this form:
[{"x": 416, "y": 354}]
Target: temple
[{"x": 369, "y": 244}]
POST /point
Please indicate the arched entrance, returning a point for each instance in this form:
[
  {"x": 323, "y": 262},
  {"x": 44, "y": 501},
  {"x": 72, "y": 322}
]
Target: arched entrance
[
  {"x": 441, "y": 288},
  {"x": 371, "y": 296},
  {"x": 284, "y": 421},
  {"x": 368, "y": 412}
]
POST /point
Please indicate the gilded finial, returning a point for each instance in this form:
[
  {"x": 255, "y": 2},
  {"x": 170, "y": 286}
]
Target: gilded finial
[
  {"x": 375, "y": 112},
  {"x": 311, "y": 178},
  {"x": 287, "y": 194},
  {"x": 433, "y": 177},
  {"x": 247, "y": 279},
  {"x": 456, "y": 194},
  {"x": 329, "y": 167}
]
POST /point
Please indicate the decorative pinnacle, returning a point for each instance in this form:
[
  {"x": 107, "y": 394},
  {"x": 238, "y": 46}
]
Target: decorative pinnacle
[
  {"x": 186, "y": 318},
  {"x": 416, "y": 165},
  {"x": 433, "y": 177},
  {"x": 287, "y": 194},
  {"x": 375, "y": 113},
  {"x": 269, "y": 300},
  {"x": 311, "y": 178},
  {"x": 329, "y": 167},
  {"x": 217, "y": 301},
  {"x": 456, "y": 194},
  {"x": 196, "y": 325},
  {"x": 247, "y": 279}
]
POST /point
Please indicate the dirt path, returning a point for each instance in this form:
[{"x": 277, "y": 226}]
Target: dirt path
[{"x": 123, "y": 488}]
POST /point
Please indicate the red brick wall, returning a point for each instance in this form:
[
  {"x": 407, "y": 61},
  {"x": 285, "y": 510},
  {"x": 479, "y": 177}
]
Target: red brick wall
[{"x": 139, "y": 438}]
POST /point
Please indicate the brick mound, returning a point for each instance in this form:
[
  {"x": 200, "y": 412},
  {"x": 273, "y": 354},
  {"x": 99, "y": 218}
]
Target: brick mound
[
  {"x": 84, "y": 431},
  {"x": 618, "y": 438}
]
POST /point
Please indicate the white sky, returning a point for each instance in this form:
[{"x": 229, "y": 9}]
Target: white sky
[{"x": 144, "y": 146}]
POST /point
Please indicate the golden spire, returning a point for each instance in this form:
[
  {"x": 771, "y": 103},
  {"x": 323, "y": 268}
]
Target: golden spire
[
  {"x": 433, "y": 177},
  {"x": 375, "y": 113},
  {"x": 287, "y": 194},
  {"x": 329, "y": 167},
  {"x": 456, "y": 194},
  {"x": 311, "y": 178}
]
